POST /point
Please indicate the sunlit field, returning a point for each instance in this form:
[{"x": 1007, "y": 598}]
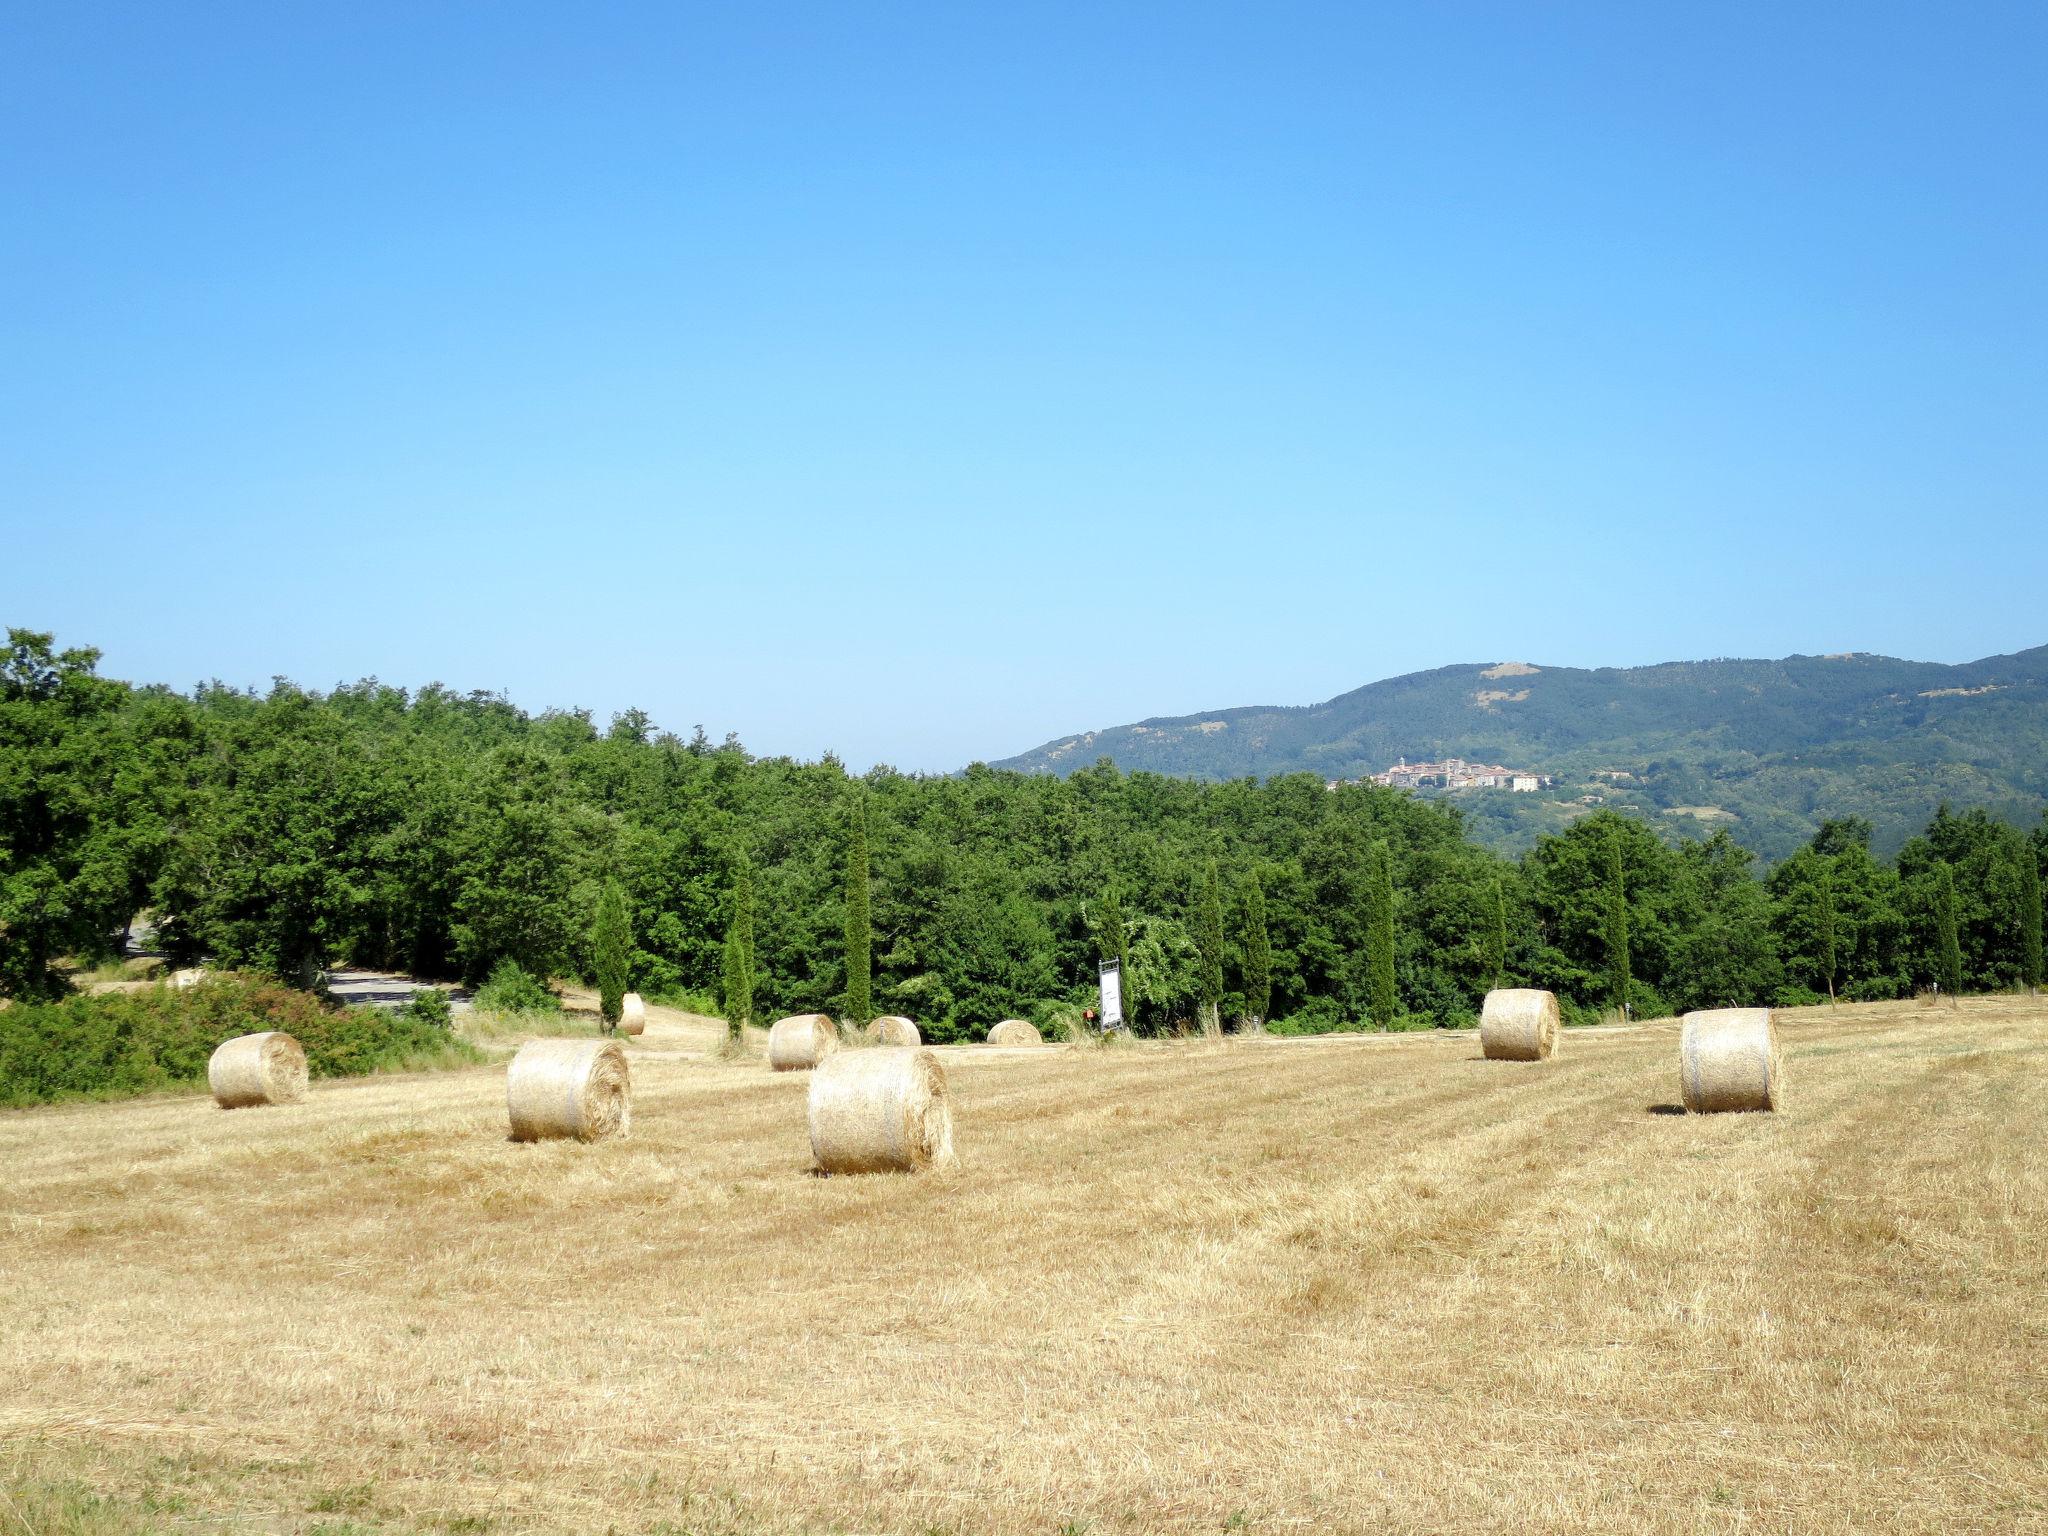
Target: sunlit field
[{"x": 1350, "y": 1283}]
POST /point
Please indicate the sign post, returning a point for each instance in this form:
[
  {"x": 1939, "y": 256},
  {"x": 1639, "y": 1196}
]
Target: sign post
[{"x": 1112, "y": 976}]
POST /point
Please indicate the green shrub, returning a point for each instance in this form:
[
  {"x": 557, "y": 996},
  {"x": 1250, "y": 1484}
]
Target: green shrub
[
  {"x": 430, "y": 1006},
  {"x": 1790, "y": 996},
  {"x": 511, "y": 989},
  {"x": 687, "y": 999},
  {"x": 1317, "y": 1016},
  {"x": 115, "y": 1045}
]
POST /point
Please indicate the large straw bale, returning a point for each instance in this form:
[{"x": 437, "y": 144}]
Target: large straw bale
[
  {"x": 569, "y": 1087},
  {"x": 1015, "y": 1032},
  {"x": 269, "y": 1068},
  {"x": 632, "y": 1015},
  {"x": 801, "y": 1041},
  {"x": 1728, "y": 1059},
  {"x": 894, "y": 1029},
  {"x": 1518, "y": 1024},
  {"x": 880, "y": 1111}
]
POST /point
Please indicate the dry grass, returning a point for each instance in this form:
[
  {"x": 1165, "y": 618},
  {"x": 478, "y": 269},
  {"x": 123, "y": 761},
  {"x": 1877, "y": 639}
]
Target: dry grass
[{"x": 1351, "y": 1284}]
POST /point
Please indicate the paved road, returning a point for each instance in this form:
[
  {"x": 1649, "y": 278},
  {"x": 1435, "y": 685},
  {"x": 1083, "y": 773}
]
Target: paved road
[{"x": 385, "y": 989}]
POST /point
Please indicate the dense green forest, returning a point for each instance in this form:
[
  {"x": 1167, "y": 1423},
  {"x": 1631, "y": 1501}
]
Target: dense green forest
[
  {"x": 1767, "y": 750},
  {"x": 445, "y": 833}
]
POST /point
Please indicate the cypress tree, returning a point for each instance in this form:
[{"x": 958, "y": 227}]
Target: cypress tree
[
  {"x": 611, "y": 946},
  {"x": 1949, "y": 950},
  {"x": 1617, "y": 924},
  {"x": 1209, "y": 948},
  {"x": 735, "y": 984},
  {"x": 743, "y": 916},
  {"x": 1113, "y": 940},
  {"x": 739, "y": 952},
  {"x": 1258, "y": 953},
  {"x": 2030, "y": 920},
  {"x": 1824, "y": 897},
  {"x": 860, "y": 1005},
  {"x": 1499, "y": 937},
  {"x": 1382, "y": 999}
]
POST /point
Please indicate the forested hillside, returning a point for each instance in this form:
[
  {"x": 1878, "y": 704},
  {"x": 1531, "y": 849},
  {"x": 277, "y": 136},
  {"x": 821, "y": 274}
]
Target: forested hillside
[
  {"x": 444, "y": 832},
  {"x": 1767, "y": 749}
]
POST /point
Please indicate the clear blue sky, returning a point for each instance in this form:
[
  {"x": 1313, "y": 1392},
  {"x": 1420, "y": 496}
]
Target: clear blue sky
[{"x": 920, "y": 382}]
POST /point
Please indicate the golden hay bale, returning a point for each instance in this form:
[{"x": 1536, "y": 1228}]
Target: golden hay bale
[
  {"x": 1728, "y": 1059},
  {"x": 632, "y": 1015},
  {"x": 801, "y": 1041},
  {"x": 880, "y": 1111},
  {"x": 1015, "y": 1032},
  {"x": 190, "y": 976},
  {"x": 269, "y": 1068},
  {"x": 1518, "y": 1024},
  {"x": 569, "y": 1087},
  {"x": 894, "y": 1029}
]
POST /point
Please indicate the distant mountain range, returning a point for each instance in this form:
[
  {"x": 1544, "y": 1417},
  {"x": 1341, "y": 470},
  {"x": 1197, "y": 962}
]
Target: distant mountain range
[{"x": 1765, "y": 748}]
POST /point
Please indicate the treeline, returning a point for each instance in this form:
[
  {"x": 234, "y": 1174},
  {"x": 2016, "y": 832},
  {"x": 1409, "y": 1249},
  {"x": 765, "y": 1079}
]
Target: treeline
[{"x": 443, "y": 833}]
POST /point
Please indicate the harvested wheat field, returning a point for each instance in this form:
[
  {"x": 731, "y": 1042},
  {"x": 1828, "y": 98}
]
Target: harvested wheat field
[{"x": 1343, "y": 1284}]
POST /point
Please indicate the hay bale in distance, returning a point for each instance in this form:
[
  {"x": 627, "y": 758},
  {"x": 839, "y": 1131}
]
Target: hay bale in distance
[
  {"x": 894, "y": 1029},
  {"x": 632, "y": 1015},
  {"x": 1518, "y": 1024},
  {"x": 799, "y": 1042},
  {"x": 269, "y": 1068},
  {"x": 190, "y": 976},
  {"x": 569, "y": 1087},
  {"x": 880, "y": 1111},
  {"x": 1015, "y": 1032},
  {"x": 1728, "y": 1059}
]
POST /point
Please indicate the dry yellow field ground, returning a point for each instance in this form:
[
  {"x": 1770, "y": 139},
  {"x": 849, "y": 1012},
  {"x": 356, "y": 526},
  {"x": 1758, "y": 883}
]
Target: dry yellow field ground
[{"x": 1357, "y": 1284}]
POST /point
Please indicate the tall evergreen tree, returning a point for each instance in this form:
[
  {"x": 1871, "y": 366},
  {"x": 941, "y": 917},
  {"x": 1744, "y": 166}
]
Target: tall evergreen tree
[
  {"x": 1258, "y": 953},
  {"x": 860, "y": 1003},
  {"x": 1209, "y": 946},
  {"x": 1824, "y": 912},
  {"x": 1113, "y": 940},
  {"x": 611, "y": 949},
  {"x": 1948, "y": 946},
  {"x": 743, "y": 917},
  {"x": 735, "y": 984},
  {"x": 738, "y": 970},
  {"x": 2030, "y": 919},
  {"x": 1382, "y": 999},
  {"x": 1617, "y": 924},
  {"x": 1498, "y": 939}
]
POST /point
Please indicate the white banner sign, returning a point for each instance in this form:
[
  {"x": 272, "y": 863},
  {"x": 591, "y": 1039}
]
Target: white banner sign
[{"x": 1112, "y": 994}]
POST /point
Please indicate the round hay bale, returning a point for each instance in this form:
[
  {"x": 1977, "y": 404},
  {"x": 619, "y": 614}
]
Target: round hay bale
[
  {"x": 1728, "y": 1059},
  {"x": 1015, "y": 1032},
  {"x": 269, "y": 1068},
  {"x": 632, "y": 1015},
  {"x": 190, "y": 976},
  {"x": 894, "y": 1029},
  {"x": 569, "y": 1087},
  {"x": 1518, "y": 1024},
  {"x": 801, "y": 1041},
  {"x": 880, "y": 1111}
]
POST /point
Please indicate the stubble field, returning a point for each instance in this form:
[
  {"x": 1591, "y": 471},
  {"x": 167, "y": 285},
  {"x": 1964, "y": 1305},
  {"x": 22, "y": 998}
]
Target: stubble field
[{"x": 1345, "y": 1284}]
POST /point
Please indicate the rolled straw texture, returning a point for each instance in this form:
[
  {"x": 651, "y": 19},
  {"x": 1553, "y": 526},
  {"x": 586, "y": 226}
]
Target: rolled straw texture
[
  {"x": 269, "y": 1068},
  {"x": 632, "y": 1015},
  {"x": 801, "y": 1041},
  {"x": 1015, "y": 1032},
  {"x": 1518, "y": 1024},
  {"x": 577, "y": 1088},
  {"x": 880, "y": 1111},
  {"x": 894, "y": 1029},
  {"x": 1728, "y": 1059}
]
